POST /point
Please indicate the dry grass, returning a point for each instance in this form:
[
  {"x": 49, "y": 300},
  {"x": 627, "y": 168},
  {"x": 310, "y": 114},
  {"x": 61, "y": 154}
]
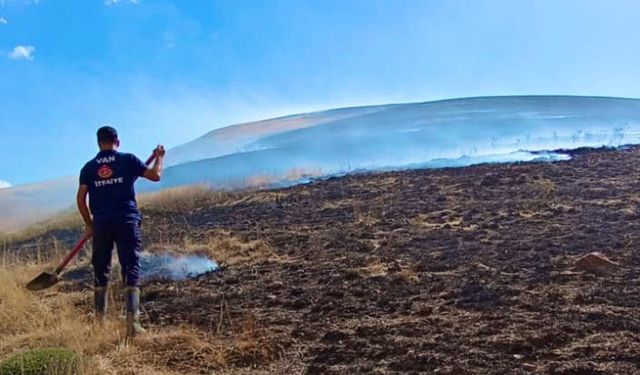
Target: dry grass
[
  {"x": 375, "y": 268},
  {"x": 65, "y": 220},
  {"x": 363, "y": 217},
  {"x": 227, "y": 249},
  {"x": 188, "y": 350},
  {"x": 165, "y": 201},
  {"x": 408, "y": 275},
  {"x": 186, "y": 198},
  {"x": 445, "y": 219},
  {"x": 40, "y": 320},
  {"x": 544, "y": 188},
  {"x": 60, "y": 319},
  {"x": 64, "y": 319},
  {"x": 169, "y": 200}
]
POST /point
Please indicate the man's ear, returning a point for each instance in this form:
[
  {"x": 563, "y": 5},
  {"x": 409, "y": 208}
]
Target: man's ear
[{"x": 117, "y": 143}]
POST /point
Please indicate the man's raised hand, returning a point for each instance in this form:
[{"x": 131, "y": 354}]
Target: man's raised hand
[{"x": 159, "y": 151}]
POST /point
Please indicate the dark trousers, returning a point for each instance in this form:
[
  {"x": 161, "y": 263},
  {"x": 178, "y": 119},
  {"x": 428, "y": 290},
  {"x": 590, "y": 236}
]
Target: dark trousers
[{"x": 126, "y": 236}]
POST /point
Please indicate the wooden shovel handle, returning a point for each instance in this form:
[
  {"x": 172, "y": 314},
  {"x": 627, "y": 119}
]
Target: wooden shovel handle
[
  {"x": 150, "y": 159},
  {"x": 72, "y": 254}
]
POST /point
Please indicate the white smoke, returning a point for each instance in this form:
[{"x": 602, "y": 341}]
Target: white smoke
[
  {"x": 448, "y": 133},
  {"x": 174, "y": 266},
  {"x": 4, "y": 184}
]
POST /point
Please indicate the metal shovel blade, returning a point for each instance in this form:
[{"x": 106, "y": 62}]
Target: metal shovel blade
[{"x": 43, "y": 281}]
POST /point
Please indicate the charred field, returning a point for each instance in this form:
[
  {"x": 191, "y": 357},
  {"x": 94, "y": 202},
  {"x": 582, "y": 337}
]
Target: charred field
[{"x": 451, "y": 271}]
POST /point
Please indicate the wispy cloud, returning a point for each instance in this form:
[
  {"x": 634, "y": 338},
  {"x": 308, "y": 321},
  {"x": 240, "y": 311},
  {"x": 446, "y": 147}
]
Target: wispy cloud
[
  {"x": 116, "y": 2},
  {"x": 22, "y": 53},
  {"x": 3, "y": 21},
  {"x": 4, "y": 3},
  {"x": 4, "y": 184}
]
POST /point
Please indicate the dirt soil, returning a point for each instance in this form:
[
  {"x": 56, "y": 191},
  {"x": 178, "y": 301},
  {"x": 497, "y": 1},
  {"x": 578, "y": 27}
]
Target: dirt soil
[{"x": 452, "y": 271}]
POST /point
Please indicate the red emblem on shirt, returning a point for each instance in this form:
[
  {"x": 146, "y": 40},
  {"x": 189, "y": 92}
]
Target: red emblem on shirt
[{"x": 105, "y": 171}]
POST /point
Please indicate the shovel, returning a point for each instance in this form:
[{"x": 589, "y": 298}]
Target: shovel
[{"x": 48, "y": 279}]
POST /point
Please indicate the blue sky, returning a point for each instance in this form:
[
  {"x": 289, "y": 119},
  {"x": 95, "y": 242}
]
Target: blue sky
[{"x": 168, "y": 71}]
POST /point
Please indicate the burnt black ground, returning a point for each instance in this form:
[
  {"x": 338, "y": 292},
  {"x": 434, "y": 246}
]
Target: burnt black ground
[
  {"x": 452, "y": 271},
  {"x": 448, "y": 271}
]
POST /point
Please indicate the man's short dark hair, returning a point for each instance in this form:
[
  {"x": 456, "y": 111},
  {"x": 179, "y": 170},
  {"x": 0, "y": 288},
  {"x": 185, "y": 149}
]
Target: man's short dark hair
[{"x": 107, "y": 134}]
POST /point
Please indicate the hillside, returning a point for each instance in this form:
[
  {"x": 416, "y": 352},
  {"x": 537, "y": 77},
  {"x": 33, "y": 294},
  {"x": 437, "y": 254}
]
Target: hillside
[
  {"x": 452, "y": 271},
  {"x": 453, "y": 132}
]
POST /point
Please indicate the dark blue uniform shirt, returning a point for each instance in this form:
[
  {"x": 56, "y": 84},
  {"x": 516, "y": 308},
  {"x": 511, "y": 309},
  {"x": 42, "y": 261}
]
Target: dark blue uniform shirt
[{"x": 110, "y": 177}]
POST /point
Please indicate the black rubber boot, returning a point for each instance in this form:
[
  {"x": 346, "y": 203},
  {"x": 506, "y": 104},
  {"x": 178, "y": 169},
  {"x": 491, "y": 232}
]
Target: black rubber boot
[
  {"x": 134, "y": 327},
  {"x": 101, "y": 297}
]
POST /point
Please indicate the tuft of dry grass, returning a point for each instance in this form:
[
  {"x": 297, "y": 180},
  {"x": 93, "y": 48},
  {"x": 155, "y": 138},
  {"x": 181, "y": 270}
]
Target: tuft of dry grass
[
  {"x": 187, "y": 350},
  {"x": 185, "y": 198},
  {"x": 375, "y": 268},
  {"x": 408, "y": 275},
  {"x": 363, "y": 217},
  {"x": 544, "y": 188},
  {"x": 227, "y": 249},
  {"x": 445, "y": 219}
]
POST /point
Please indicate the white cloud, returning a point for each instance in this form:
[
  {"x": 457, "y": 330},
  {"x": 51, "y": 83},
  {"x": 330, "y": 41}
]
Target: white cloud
[
  {"x": 4, "y": 184},
  {"x": 116, "y": 2},
  {"x": 22, "y": 53},
  {"x": 3, "y": 21},
  {"x": 4, "y": 3}
]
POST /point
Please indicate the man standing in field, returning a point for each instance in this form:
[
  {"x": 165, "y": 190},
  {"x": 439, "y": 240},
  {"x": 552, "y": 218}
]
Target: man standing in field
[{"x": 113, "y": 217}]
